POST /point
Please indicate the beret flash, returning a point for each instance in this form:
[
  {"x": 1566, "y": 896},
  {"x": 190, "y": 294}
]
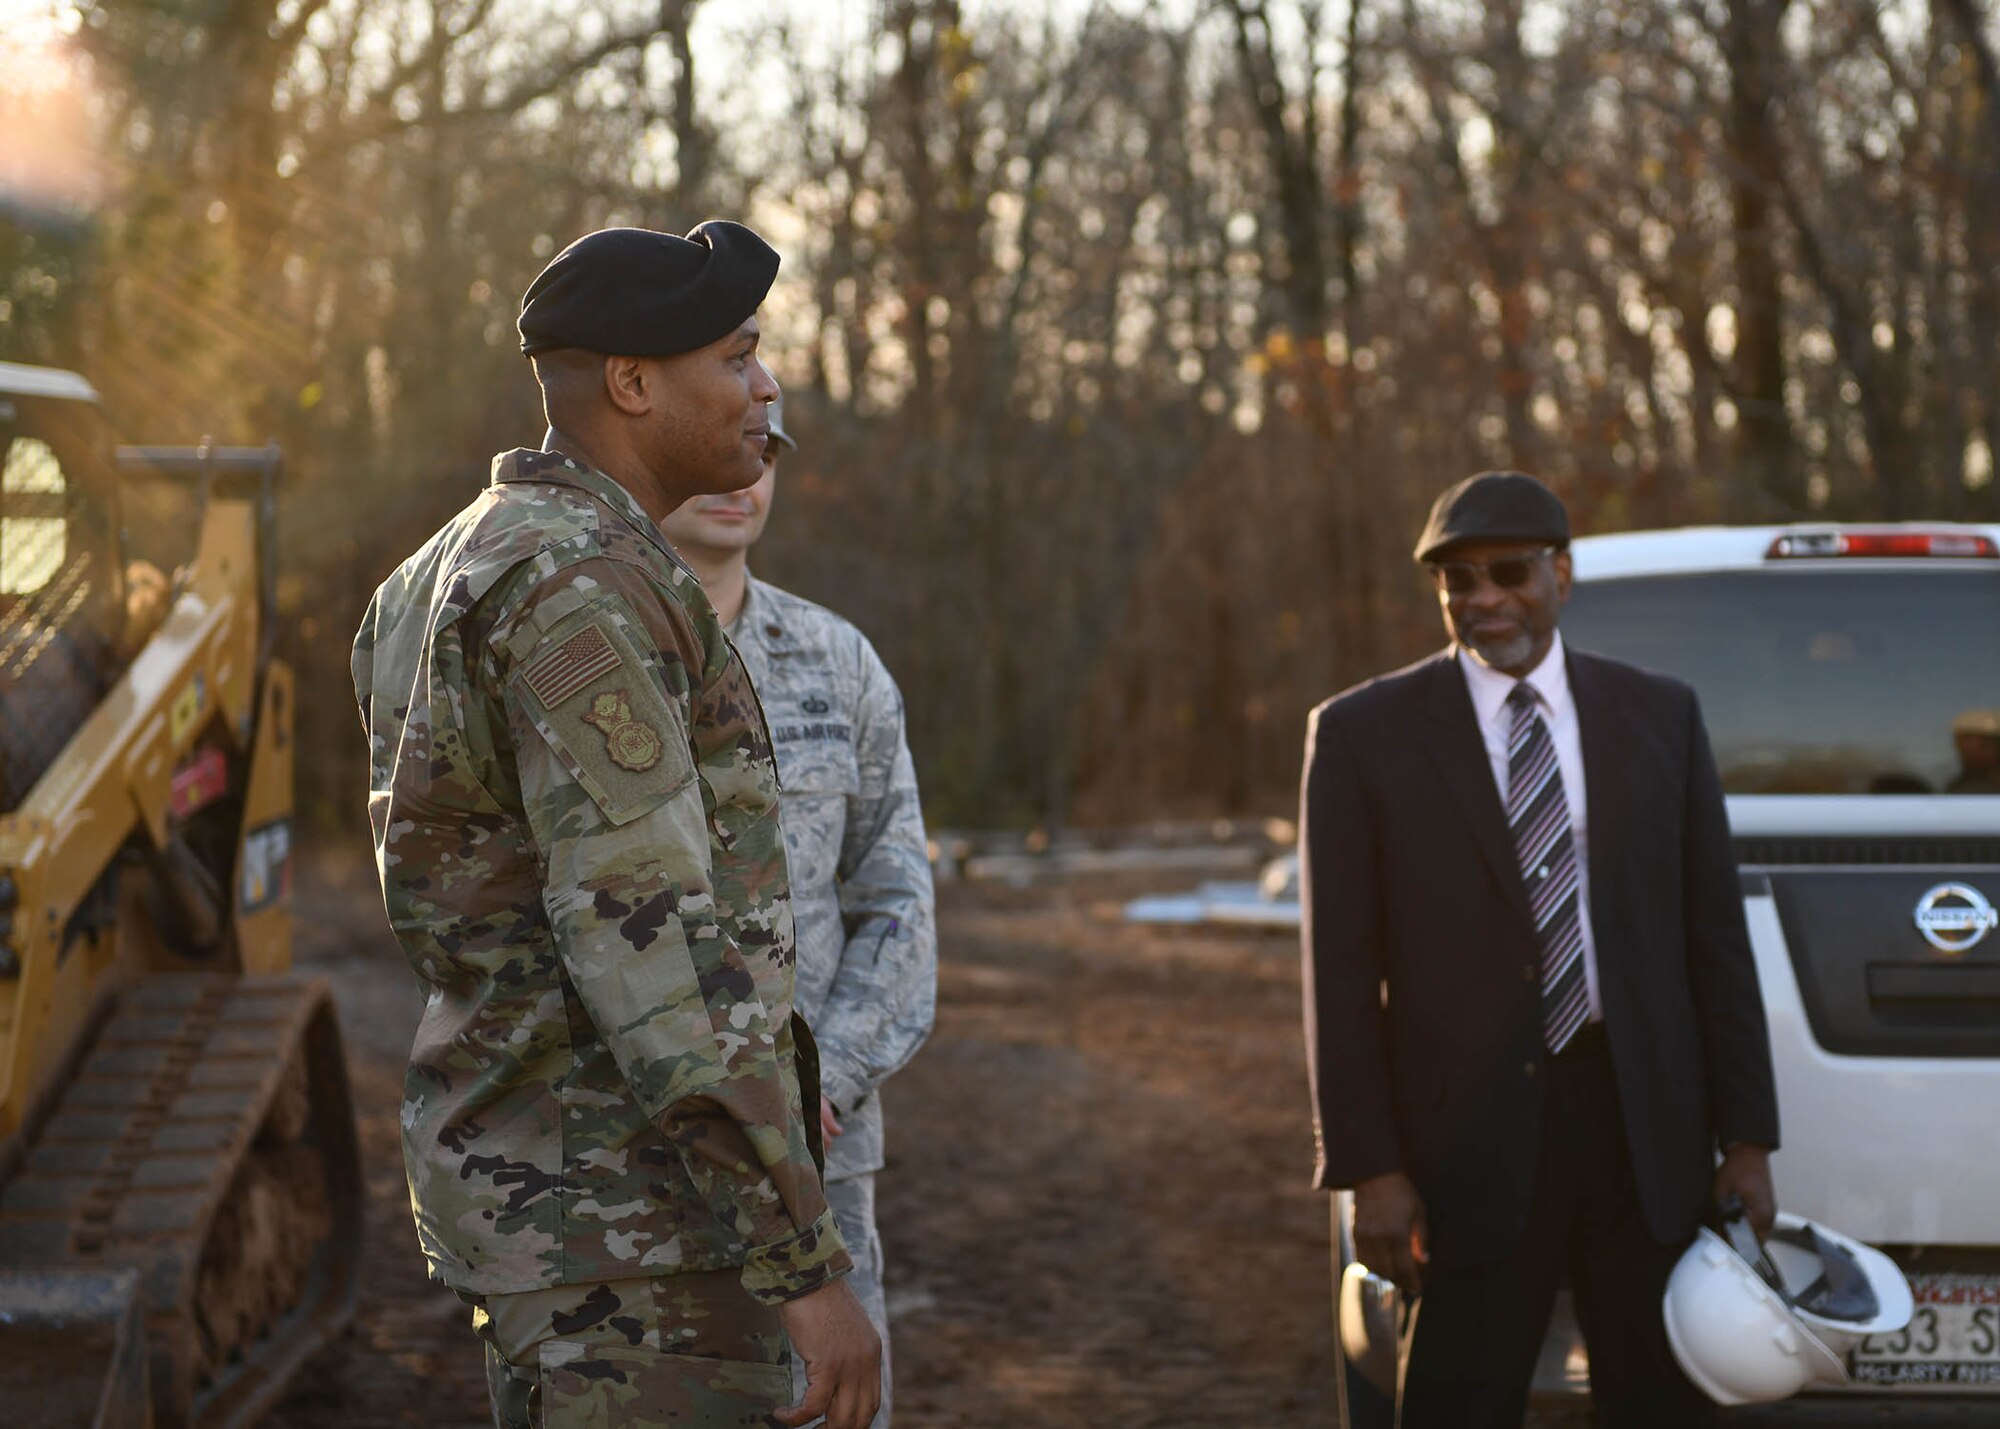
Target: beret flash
[
  {"x": 1494, "y": 506},
  {"x": 631, "y": 292}
]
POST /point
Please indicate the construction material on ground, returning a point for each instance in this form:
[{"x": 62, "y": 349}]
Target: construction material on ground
[{"x": 1270, "y": 902}]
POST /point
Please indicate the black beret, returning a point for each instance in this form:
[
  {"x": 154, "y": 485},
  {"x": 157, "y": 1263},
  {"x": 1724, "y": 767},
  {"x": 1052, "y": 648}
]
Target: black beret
[
  {"x": 1494, "y": 506},
  {"x": 631, "y": 292}
]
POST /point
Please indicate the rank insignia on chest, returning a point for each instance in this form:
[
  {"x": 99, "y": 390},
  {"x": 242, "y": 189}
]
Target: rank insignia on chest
[{"x": 632, "y": 743}]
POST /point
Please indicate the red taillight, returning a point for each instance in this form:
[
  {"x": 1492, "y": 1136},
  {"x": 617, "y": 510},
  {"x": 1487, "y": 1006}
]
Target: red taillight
[{"x": 1959, "y": 544}]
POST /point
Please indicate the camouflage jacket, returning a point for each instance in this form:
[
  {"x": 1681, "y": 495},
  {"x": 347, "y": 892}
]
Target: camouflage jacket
[
  {"x": 861, "y": 879},
  {"x": 575, "y": 821}
]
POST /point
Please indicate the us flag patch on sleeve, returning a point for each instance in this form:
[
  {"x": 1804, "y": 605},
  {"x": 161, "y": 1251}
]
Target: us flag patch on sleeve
[{"x": 562, "y": 672}]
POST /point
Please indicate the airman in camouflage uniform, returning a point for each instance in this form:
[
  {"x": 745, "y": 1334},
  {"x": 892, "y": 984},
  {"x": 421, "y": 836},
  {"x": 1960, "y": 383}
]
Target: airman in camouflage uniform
[
  {"x": 854, "y": 832},
  {"x": 575, "y": 818}
]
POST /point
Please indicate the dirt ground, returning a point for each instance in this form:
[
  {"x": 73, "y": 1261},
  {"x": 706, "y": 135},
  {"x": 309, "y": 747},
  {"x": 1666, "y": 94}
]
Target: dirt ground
[{"x": 1096, "y": 1210}]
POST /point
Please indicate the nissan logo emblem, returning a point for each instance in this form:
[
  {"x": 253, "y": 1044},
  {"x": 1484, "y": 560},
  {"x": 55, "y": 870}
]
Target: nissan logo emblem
[{"x": 1955, "y": 916}]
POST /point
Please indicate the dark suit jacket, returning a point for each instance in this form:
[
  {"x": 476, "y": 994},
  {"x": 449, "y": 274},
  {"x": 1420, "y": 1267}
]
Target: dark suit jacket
[{"x": 1422, "y": 971}]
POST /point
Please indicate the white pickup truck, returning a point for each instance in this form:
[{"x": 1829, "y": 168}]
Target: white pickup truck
[{"x": 1850, "y": 678}]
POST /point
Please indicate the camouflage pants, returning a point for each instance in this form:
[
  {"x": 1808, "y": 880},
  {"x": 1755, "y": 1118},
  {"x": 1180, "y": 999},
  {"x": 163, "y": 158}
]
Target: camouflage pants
[
  {"x": 692, "y": 1351},
  {"x": 852, "y": 1199}
]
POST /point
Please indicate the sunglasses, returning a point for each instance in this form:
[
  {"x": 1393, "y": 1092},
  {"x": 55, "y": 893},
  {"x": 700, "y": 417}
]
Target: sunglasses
[{"x": 1508, "y": 572}]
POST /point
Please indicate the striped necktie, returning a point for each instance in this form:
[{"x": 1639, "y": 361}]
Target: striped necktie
[{"x": 1538, "y": 819}]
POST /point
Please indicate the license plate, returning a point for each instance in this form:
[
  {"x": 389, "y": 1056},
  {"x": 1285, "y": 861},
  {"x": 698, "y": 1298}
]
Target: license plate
[{"x": 1952, "y": 1339}]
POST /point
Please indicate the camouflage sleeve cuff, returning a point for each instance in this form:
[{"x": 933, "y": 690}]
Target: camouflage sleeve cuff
[
  {"x": 799, "y": 1264},
  {"x": 838, "y": 1081}
]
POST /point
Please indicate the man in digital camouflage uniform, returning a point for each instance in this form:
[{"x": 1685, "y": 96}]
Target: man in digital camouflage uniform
[
  {"x": 575, "y": 818},
  {"x": 861, "y": 880}
]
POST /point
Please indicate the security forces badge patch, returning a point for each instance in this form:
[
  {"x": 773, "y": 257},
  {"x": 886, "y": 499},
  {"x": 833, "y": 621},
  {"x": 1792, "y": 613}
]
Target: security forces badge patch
[
  {"x": 632, "y": 743},
  {"x": 605, "y": 713}
]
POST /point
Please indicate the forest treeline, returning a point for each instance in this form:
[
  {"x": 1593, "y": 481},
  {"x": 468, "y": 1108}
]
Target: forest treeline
[{"x": 1126, "y": 343}]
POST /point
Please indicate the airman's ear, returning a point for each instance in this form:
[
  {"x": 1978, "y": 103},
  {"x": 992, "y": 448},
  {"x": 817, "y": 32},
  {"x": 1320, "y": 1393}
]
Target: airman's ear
[
  {"x": 1565, "y": 574},
  {"x": 628, "y": 384}
]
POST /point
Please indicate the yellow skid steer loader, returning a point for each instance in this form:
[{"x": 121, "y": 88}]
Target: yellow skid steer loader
[{"x": 179, "y": 1181}]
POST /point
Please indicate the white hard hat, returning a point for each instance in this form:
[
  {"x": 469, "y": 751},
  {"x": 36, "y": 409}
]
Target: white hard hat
[{"x": 1753, "y": 1324}]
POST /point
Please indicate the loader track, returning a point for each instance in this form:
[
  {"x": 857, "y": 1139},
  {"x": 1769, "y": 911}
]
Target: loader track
[{"x": 206, "y": 1141}]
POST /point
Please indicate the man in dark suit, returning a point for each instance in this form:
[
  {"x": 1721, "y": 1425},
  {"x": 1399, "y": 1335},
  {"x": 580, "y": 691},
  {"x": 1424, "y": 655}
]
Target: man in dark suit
[{"x": 1532, "y": 1016}]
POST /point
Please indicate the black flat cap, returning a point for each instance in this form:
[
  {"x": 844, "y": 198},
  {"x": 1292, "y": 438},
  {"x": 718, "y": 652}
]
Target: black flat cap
[
  {"x": 631, "y": 292},
  {"x": 1494, "y": 506}
]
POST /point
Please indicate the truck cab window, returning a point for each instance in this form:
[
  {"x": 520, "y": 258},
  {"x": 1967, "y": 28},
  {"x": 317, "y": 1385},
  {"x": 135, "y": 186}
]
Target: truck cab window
[{"x": 1882, "y": 680}]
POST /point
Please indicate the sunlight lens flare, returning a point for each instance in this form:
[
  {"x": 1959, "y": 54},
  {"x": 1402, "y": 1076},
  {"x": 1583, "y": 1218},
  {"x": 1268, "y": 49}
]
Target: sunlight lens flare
[{"x": 46, "y": 113}]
